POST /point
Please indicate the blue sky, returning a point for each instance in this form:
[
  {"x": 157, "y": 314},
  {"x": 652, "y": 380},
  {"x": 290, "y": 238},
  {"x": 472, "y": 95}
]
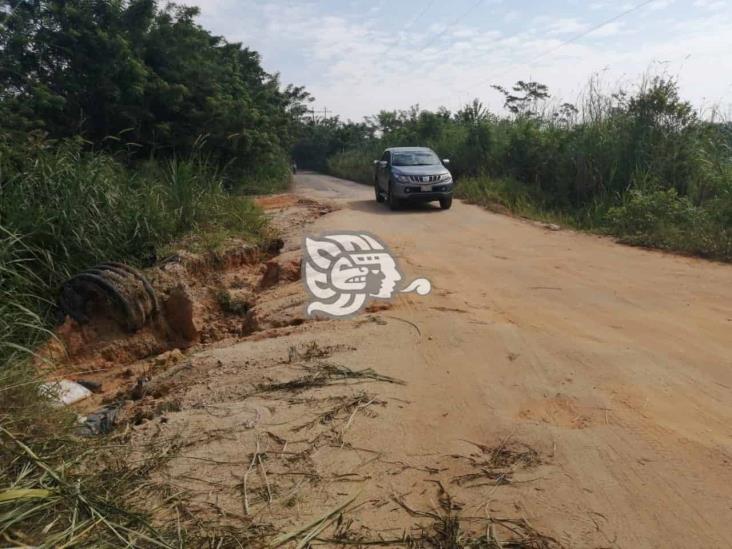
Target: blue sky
[{"x": 358, "y": 57}]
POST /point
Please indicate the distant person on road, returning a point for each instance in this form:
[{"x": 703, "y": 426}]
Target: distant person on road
[{"x": 294, "y": 167}]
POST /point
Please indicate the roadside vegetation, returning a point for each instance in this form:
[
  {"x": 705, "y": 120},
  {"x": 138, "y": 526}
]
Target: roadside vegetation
[
  {"x": 124, "y": 126},
  {"x": 641, "y": 165}
]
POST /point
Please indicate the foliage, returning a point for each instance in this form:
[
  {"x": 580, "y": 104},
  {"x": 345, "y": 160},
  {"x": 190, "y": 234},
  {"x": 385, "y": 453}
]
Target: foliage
[
  {"x": 662, "y": 219},
  {"x": 57, "y": 491},
  {"x": 622, "y": 153},
  {"x": 78, "y": 208},
  {"x": 62, "y": 210},
  {"x": 40, "y": 481},
  {"x": 523, "y": 97},
  {"x": 128, "y": 74},
  {"x": 321, "y": 139},
  {"x": 354, "y": 164},
  {"x": 123, "y": 127}
]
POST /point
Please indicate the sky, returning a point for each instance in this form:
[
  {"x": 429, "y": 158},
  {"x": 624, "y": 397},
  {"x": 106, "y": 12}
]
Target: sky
[{"x": 358, "y": 57}]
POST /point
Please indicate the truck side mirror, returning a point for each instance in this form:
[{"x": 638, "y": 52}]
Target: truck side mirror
[{"x": 446, "y": 161}]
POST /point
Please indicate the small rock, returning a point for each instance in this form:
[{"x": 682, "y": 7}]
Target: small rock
[
  {"x": 64, "y": 391},
  {"x": 140, "y": 389},
  {"x": 272, "y": 246},
  {"x": 180, "y": 312},
  {"x": 169, "y": 358},
  {"x": 549, "y": 226},
  {"x": 270, "y": 274}
]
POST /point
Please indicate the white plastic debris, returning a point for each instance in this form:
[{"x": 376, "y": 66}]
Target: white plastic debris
[{"x": 65, "y": 391}]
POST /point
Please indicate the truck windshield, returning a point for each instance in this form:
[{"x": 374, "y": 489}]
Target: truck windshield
[{"x": 414, "y": 158}]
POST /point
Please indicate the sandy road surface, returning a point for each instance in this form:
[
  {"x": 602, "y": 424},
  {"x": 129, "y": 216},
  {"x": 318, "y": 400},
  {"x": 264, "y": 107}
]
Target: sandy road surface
[
  {"x": 614, "y": 363},
  {"x": 564, "y": 390}
]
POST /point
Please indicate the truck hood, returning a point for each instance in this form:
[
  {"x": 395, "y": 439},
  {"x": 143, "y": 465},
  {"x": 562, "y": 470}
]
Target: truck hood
[{"x": 434, "y": 169}]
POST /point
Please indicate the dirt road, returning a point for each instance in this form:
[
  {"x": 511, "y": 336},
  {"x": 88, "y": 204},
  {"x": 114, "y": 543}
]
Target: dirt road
[
  {"x": 615, "y": 362},
  {"x": 554, "y": 390}
]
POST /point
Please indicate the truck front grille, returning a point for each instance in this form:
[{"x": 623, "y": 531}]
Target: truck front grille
[{"x": 424, "y": 178}]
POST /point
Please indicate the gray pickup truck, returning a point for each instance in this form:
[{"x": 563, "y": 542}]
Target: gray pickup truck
[{"x": 412, "y": 174}]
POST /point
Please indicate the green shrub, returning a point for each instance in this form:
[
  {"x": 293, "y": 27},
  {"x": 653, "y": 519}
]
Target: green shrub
[
  {"x": 662, "y": 219},
  {"x": 356, "y": 165},
  {"x": 509, "y": 195},
  {"x": 78, "y": 208}
]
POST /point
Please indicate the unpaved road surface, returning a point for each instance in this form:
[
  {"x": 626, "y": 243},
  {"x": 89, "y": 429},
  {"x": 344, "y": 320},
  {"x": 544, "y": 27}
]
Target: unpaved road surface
[
  {"x": 554, "y": 390},
  {"x": 614, "y": 362}
]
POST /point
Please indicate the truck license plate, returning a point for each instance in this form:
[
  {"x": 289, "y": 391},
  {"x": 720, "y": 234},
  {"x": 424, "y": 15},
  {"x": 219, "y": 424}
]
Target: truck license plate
[{"x": 426, "y": 188}]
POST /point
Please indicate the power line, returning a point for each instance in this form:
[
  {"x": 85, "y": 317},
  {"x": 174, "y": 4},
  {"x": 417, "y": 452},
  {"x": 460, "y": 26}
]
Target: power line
[
  {"x": 569, "y": 41},
  {"x": 421, "y": 14},
  {"x": 410, "y": 25},
  {"x": 457, "y": 19},
  {"x": 592, "y": 29}
]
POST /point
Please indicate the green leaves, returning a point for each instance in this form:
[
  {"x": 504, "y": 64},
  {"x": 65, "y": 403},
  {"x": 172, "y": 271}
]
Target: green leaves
[{"x": 146, "y": 75}]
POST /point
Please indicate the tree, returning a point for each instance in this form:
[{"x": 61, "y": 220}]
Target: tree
[
  {"x": 524, "y": 98},
  {"x": 126, "y": 71},
  {"x": 473, "y": 113}
]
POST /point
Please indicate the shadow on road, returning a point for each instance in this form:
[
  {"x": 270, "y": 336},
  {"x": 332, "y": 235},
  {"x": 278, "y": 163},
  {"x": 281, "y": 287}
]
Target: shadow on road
[{"x": 371, "y": 206}]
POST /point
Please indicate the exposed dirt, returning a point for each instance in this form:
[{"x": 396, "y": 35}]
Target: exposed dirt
[
  {"x": 205, "y": 298},
  {"x": 554, "y": 389}
]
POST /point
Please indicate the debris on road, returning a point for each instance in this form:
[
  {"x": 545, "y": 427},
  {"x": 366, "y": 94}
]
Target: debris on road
[
  {"x": 65, "y": 391},
  {"x": 549, "y": 226},
  {"x": 100, "y": 422}
]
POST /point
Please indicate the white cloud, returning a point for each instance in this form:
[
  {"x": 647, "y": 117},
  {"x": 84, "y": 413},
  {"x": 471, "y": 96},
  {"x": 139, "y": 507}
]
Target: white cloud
[
  {"x": 357, "y": 66},
  {"x": 611, "y": 29},
  {"x": 659, "y": 5},
  {"x": 566, "y": 25},
  {"x": 710, "y": 4}
]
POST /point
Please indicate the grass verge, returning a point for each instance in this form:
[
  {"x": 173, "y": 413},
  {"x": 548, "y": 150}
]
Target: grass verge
[
  {"x": 648, "y": 217},
  {"x": 62, "y": 210}
]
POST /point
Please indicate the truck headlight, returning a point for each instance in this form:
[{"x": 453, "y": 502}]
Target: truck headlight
[
  {"x": 446, "y": 177},
  {"x": 401, "y": 178}
]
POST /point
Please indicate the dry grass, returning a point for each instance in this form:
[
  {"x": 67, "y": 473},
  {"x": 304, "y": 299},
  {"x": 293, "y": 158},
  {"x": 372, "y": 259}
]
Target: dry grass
[
  {"x": 497, "y": 464},
  {"x": 323, "y": 374},
  {"x": 58, "y": 490}
]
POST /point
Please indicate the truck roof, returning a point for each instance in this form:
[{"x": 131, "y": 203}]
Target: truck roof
[{"x": 408, "y": 149}]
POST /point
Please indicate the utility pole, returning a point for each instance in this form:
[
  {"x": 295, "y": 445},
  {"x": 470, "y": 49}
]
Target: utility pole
[{"x": 313, "y": 113}]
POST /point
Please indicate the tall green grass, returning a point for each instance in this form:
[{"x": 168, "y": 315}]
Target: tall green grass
[
  {"x": 356, "y": 165},
  {"x": 62, "y": 210},
  {"x": 74, "y": 208}
]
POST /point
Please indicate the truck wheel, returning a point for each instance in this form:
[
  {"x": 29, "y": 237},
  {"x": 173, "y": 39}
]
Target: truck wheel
[
  {"x": 394, "y": 202},
  {"x": 445, "y": 203}
]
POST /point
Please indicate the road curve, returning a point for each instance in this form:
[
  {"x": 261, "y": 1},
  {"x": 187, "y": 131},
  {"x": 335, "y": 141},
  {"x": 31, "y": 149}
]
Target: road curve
[{"x": 615, "y": 362}]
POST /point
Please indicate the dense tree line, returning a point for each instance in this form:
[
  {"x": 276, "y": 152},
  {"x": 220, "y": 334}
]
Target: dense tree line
[{"x": 131, "y": 73}]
